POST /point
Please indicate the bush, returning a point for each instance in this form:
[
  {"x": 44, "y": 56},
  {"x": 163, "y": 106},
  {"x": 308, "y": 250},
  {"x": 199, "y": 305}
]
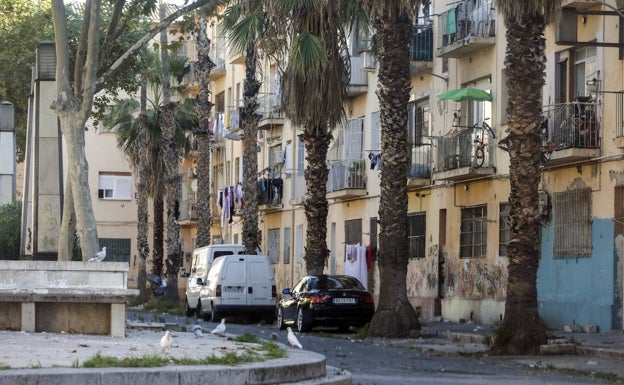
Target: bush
[{"x": 10, "y": 230}]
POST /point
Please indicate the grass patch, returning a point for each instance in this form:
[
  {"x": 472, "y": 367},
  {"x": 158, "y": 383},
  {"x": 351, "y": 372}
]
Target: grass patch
[
  {"x": 361, "y": 333},
  {"x": 247, "y": 337},
  {"x": 160, "y": 305},
  {"x": 266, "y": 351}
]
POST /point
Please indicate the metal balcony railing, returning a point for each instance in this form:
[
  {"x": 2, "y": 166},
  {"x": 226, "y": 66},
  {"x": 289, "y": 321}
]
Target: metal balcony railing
[
  {"x": 346, "y": 174},
  {"x": 422, "y": 42},
  {"x": 420, "y": 161},
  {"x": 187, "y": 210},
  {"x": 571, "y": 125},
  {"x": 471, "y": 147},
  {"x": 269, "y": 106},
  {"x": 465, "y": 20}
]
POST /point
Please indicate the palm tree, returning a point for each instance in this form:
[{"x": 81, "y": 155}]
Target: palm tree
[
  {"x": 314, "y": 91},
  {"x": 244, "y": 22},
  {"x": 522, "y": 331},
  {"x": 145, "y": 153},
  {"x": 395, "y": 316}
]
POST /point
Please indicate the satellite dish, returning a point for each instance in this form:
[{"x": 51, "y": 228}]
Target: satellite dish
[{"x": 194, "y": 185}]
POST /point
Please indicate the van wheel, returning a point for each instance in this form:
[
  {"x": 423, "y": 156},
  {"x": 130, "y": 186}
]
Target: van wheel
[
  {"x": 199, "y": 312},
  {"x": 187, "y": 309},
  {"x": 304, "y": 320},
  {"x": 214, "y": 315}
]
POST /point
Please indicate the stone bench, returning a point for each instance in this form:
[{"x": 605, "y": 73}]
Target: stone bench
[{"x": 72, "y": 297}]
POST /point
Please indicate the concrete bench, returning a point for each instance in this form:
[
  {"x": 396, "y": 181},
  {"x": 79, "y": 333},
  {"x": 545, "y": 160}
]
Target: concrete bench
[{"x": 72, "y": 297}]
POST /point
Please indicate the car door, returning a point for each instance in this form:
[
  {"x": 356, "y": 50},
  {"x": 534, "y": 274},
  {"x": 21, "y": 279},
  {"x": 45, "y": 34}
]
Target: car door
[
  {"x": 289, "y": 303},
  {"x": 259, "y": 283}
]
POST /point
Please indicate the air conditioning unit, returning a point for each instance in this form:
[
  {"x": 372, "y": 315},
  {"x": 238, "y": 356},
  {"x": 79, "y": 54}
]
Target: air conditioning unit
[{"x": 279, "y": 157}]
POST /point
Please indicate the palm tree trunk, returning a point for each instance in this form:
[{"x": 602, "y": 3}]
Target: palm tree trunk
[
  {"x": 250, "y": 119},
  {"x": 158, "y": 235},
  {"x": 203, "y": 68},
  {"x": 316, "y": 206},
  {"x": 142, "y": 195},
  {"x": 522, "y": 330},
  {"x": 395, "y": 316}
]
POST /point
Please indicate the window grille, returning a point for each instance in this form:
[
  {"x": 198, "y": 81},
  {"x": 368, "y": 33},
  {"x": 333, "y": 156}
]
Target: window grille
[
  {"x": 504, "y": 229},
  {"x": 473, "y": 232},
  {"x": 416, "y": 227},
  {"x": 572, "y": 224}
]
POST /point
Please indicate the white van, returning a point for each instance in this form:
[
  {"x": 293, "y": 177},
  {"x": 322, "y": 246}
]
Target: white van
[
  {"x": 239, "y": 285},
  {"x": 200, "y": 264}
]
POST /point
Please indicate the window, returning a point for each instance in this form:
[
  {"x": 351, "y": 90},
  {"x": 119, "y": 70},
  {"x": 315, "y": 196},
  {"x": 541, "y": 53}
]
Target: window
[
  {"x": 418, "y": 121},
  {"x": 573, "y": 69},
  {"x": 504, "y": 229},
  {"x": 117, "y": 249},
  {"x": 286, "y": 245},
  {"x": 300, "y": 157},
  {"x": 416, "y": 229},
  {"x": 115, "y": 186},
  {"x": 353, "y": 231},
  {"x": 273, "y": 245},
  {"x": 473, "y": 232},
  {"x": 572, "y": 224},
  {"x": 348, "y": 141}
]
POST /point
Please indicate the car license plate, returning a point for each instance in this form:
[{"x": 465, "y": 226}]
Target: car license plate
[
  {"x": 344, "y": 300},
  {"x": 233, "y": 289}
]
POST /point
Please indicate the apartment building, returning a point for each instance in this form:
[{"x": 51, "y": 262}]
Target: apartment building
[{"x": 458, "y": 178}]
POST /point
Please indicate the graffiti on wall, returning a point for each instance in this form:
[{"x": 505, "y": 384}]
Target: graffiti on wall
[{"x": 471, "y": 278}]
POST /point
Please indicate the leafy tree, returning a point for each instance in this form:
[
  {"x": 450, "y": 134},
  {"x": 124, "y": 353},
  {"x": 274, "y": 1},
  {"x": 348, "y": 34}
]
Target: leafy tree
[
  {"x": 522, "y": 330},
  {"x": 23, "y": 24},
  {"x": 97, "y": 61},
  {"x": 395, "y": 316},
  {"x": 10, "y": 230}
]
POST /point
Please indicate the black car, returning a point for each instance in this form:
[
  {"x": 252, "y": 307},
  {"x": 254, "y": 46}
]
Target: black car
[{"x": 325, "y": 300}]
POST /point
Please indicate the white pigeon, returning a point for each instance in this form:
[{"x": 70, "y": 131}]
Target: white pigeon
[
  {"x": 197, "y": 329},
  {"x": 220, "y": 329},
  {"x": 165, "y": 342},
  {"x": 292, "y": 339},
  {"x": 99, "y": 256}
]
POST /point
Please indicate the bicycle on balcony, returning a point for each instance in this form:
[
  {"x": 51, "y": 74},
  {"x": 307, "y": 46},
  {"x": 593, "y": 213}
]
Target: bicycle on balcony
[{"x": 480, "y": 141}]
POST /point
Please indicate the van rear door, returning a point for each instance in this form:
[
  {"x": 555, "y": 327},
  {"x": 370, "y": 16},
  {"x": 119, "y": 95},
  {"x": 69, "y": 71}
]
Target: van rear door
[
  {"x": 259, "y": 283},
  {"x": 233, "y": 281}
]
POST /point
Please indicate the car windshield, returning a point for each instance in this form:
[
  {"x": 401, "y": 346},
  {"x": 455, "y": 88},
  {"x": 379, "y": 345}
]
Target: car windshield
[{"x": 336, "y": 283}]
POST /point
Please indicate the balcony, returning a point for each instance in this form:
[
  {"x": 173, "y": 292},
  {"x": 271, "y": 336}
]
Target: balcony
[
  {"x": 570, "y": 132},
  {"x": 421, "y": 50},
  {"x": 270, "y": 193},
  {"x": 465, "y": 155},
  {"x": 232, "y": 119},
  {"x": 465, "y": 29},
  {"x": 358, "y": 84},
  {"x": 270, "y": 109},
  {"x": 347, "y": 179},
  {"x": 298, "y": 190},
  {"x": 420, "y": 166},
  {"x": 188, "y": 214},
  {"x": 218, "y": 70}
]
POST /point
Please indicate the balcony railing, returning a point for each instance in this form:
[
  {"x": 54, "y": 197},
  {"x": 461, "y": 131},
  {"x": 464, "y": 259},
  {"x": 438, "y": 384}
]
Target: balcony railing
[
  {"x": 187, "y": 211},
  {"x": 270, "y": 110},
  {"x": 465, "y": 28},
  {"x": 420, "y": 165},
  {"x": 422, "y": 43},
  {"x": 346, "y": 174},
  {"x": 298, "y": 190},
  {"x": 470, "y": 151},
  {"x": 569, "y": 129}
]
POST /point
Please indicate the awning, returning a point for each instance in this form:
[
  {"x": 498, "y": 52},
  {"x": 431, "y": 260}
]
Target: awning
[{"x": 465, "y": 94}]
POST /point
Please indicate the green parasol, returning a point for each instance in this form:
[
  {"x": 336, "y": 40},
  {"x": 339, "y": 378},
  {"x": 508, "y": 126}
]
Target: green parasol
[{"x": 466, "y": 93}]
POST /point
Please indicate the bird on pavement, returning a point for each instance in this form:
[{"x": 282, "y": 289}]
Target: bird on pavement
[
  {"x": 220, "y": 329},
  {"x": 165, "y": 342},
  {"x": 197, "y": 329},
  {"x": 292, "y": 339},
  {"x": 99, "y": 256},
  {"x": 274, "y": 336}
]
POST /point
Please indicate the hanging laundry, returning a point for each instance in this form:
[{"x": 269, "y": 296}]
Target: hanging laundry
[{"x": 375, "y": 161}]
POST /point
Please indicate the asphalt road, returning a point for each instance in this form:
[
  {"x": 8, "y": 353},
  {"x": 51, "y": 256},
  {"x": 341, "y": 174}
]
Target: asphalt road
[{"x": 381, "y": 362}]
